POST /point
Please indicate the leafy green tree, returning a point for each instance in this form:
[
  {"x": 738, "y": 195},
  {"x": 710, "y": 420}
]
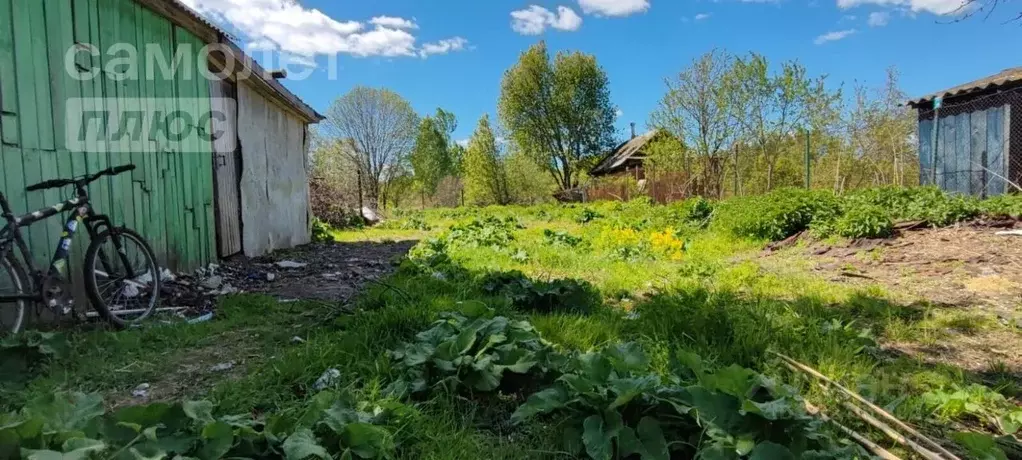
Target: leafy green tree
[
  {"x": 431, "y": 159},
  {"x": 769, "y": 107},
  {"x": 558, "y": 113},
  {"x": 527, "y": 182},
  {"x": 485, "y": 176},
  {"x": 377, "y": 130},
  {"x": 698, "y": 110}
]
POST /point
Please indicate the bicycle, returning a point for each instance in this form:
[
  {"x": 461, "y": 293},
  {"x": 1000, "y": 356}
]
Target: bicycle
[{"x": 121, "y": 292}]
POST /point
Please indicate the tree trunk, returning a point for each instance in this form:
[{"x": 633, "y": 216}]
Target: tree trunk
[{"x": 361, "y": 204}]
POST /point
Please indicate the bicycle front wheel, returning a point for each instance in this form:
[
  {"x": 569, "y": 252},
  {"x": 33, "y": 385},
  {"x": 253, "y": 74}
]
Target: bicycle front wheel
[
  {"x": 13, "y": 282},
  {"x": 122, "y": 279}
]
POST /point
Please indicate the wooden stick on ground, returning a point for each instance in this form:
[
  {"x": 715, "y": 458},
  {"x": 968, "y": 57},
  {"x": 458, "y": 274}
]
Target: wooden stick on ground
[
  {"x": 891, "y": 433},
  {"x": 929, "y": 442},
  {"x": 870, "y": 445}
]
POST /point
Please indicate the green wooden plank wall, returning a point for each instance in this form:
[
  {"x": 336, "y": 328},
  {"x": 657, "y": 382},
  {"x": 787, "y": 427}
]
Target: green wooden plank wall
[{"x": 169, "y": 198}]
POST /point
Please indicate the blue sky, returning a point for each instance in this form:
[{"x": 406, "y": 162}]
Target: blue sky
[{"x": 452, "y": 53}]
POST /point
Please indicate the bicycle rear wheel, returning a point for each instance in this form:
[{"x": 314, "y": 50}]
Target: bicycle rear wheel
[
  {"x": 122, "y": 279},
  {"x": 12, "y": 282}
]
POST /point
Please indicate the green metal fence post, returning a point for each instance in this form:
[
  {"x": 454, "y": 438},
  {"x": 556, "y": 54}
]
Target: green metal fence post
[{"x": 809, "y": 182}]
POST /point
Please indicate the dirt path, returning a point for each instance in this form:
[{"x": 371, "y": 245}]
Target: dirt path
[{"x": 305, "y": 285}]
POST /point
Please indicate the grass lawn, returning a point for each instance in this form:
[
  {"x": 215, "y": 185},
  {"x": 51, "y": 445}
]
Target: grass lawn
[{"x": 643, "y": 274}]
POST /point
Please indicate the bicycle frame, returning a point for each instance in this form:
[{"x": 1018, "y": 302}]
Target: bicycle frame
[{"x": 82, "y": 211}]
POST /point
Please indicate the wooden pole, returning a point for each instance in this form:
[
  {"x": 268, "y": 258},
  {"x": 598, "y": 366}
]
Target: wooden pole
[{"x": 876, "y": 409}]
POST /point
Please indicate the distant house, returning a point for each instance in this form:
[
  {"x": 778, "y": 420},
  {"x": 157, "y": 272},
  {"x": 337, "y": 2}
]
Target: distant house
[
  {"x": 970, "y": 136},
  {"x": 627, "y": 159},
  {"x": 622, "y": 174}
]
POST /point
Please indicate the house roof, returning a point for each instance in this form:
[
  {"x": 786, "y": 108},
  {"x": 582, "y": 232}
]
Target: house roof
[
  {"x": 629, "y": 149},
  {"x": 1003, "y": 78},
  {"x": 183, "y": 15}
]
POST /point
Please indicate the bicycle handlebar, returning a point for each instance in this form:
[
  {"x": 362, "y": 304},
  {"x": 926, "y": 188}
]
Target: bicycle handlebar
[{"x": 81, "y": 181}]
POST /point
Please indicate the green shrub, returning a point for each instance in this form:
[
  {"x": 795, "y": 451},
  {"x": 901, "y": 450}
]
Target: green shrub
[
  {"x": 588, "y": 215},
  {"x": 561, "y": 295},
  {"x": 1003, "y": 206},
  {"x": 321, "y": 231},
  {"x": 561, "y": 238},
  {"x": 487, "y": 232},
  {"x": 608, "y": 405},
  {"x": 928, "y": 204},
  {"x": 864, "y": 221},
  {"x": 776, "y": 215},
  {"x": 470, "y": 351},
  {"x": 696, "y": 211},
  {"x": 75, "y": 425}
]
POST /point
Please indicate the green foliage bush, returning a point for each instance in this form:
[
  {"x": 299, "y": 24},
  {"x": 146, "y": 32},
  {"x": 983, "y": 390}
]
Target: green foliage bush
[
  {"x": 321, "y": 231},
  {"x": 561, "y": 237},
  {"x": 470, "y": 351},
  {"x": 561, "y": 295},
  {"x": 588, "y": 215},
  {"x": 694, "y": 211},
  {"x": 25, "y": 355},
  {"x": 928, "y": 204},
  {"x": 776, "y": 215},
  {"x": 607, "y": 405},
  {"x": 1003, "y": 206},
  {"x": 864, "y": 221},
  {"x": 490, "y": 232},
  {"x": 76, "y": 426}
]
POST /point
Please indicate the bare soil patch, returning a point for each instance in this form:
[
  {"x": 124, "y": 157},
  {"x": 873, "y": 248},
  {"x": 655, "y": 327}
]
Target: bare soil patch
[
  {"x": 330, "y": 272},
  {"x": 967, "y": 267}
]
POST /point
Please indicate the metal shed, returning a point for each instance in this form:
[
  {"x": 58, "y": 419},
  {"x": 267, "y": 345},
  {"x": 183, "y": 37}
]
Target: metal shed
[
  {"x": 191, "y": 198},
  {"x": 970, "y": 136}
]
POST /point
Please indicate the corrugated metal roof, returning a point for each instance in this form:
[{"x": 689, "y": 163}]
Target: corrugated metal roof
[
  {"x": 623, "y": 152},
  {"x": 1005, "y": 77}
]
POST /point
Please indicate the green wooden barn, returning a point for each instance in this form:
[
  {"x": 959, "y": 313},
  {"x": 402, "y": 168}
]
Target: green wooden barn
[{"x": 196, "y": 198}]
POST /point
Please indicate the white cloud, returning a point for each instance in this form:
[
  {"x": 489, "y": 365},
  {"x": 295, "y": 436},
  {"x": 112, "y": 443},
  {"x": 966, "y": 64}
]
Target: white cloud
[
  {"x": 619, "y": 113},
  {"x": 535, "y": 19},
  {"x": 938, "y": 7},
  {"x": 879, "y": 18},
  {"x": 463, "y": 142},
  {"x": 301, "y": 61},
  {"x": 833, "y": 36},
  {"x": 613, "y": 7},
  {"x": 289, "y": 27},
  {"x": 443, "y": 46},
  {"x": 393, "y": 22},
  {"x": 702, "y": 16}
]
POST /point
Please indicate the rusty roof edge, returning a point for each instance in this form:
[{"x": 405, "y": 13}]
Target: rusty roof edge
[{"x": 285, "y": 95}]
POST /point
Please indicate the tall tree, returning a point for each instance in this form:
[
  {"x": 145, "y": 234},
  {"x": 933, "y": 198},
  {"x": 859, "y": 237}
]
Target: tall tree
[
  {"x": 559, "y": 113},
  {"x": 485, "y": 174},
  {"x": 431, "y": 158},
  {"x": 881, "y": 129},
  {"x": 378, "y": 128},
  {"x": 770, "y": 108},
  {"x": 698, "y": 110}
]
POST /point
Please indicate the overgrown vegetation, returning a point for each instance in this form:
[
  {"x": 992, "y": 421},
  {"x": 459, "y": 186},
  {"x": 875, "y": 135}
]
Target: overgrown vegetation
[{"x": 609, "y": 330}]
